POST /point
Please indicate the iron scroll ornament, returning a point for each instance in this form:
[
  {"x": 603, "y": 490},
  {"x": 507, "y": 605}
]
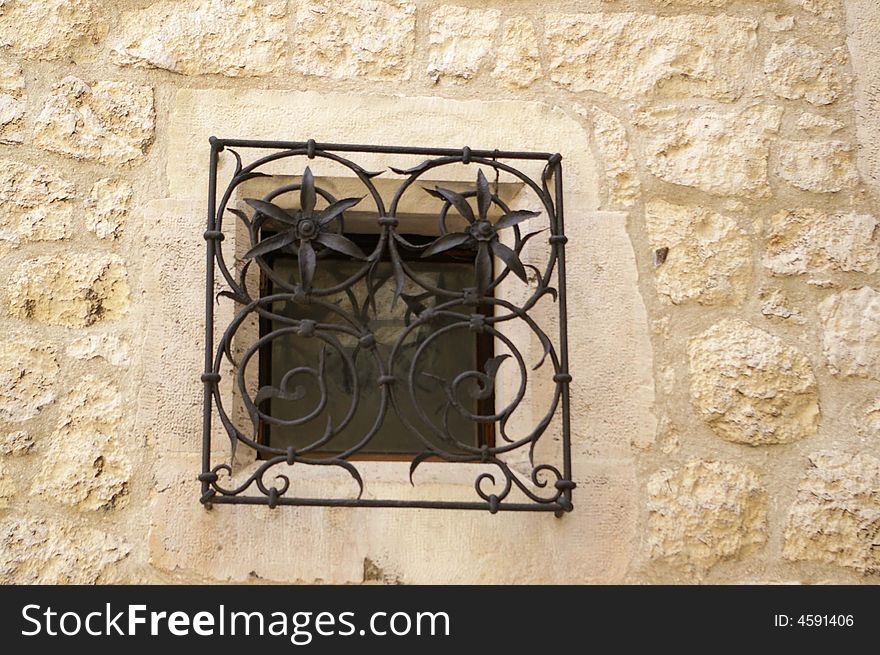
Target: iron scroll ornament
[{"x": 311, "y": 234}]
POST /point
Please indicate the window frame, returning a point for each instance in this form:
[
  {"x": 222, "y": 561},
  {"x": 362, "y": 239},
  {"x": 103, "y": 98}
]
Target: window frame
[
  {"x": 547, "y": 488},
  {"x": 484, "y": 347}
]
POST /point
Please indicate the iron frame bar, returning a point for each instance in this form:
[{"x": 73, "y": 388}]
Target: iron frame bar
[{"x": 212, "y": 491}]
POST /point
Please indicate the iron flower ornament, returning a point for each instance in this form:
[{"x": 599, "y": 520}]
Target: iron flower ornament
[
  {"x": 481, "y": 233},
  {"x": 307, "y": 227}
]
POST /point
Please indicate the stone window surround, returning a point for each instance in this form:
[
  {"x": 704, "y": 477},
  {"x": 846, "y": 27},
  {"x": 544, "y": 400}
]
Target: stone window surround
[{"x": 607, "y": 479}]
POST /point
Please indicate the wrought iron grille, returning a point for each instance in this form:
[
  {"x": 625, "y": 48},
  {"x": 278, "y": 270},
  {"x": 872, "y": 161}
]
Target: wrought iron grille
[{"x": 507, "y": 475}]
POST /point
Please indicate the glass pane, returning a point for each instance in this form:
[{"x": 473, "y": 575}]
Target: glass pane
[{"x": 451, "y": 352}]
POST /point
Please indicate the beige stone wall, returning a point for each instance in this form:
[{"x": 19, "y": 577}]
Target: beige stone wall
[{"x": 722, "y": 201}]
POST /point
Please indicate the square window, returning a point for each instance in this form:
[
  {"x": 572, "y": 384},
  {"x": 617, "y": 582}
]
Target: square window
[{"x": 421, "y": 321}]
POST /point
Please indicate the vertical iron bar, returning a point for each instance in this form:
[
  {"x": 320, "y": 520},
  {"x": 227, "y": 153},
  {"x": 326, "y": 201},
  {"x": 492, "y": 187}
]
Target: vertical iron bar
[
  {"x": 563, "y": 333},
  {"x": 210, "y": 244}
]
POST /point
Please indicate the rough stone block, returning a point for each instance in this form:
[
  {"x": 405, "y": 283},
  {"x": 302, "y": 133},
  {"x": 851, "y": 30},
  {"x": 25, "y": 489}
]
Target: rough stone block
[
  {"x": 835, "y": 518},
  {"x": 460, "y": 40},
  {"x": 355, "y": 38},
  {"x": 851, "y": 332},
  {"x": 712, "y": 148},
  {"x": 706, "y": 255},
  {"x": 27, "y": 376},
  {"x": 75, "y": 290},
  {"x": 705, "y": 512},
  {"x": 751, "y": 387},
  {"x": 628, "y": 54},
  {"x": 234, "y": 38},
  {"x": 813, "y": 241},
  {"x": 108, "y": 122}
]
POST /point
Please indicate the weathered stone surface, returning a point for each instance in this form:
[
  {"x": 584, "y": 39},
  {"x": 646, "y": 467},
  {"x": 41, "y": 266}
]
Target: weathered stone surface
[
  {"x": 37, "y": 551},
  {"x": 813, "y": 241},
  {"x": 796, "y": 70},
  {"x": 16, "y": 443},
  {"x": 204, "y": 37},
  {"x": 27, "y": 377},
  {"x": 107, "y": 207},
  {"x": 84, "y": 468},
  {"x": 12, "y": 101},
  {"x": 111, "y": 348},
  {"x": 460, "y": 38},
  {"x": 818, "y": 166},
  {"x": 517, "y": 59},
  {"x": 777, "y": 22},
  {"x": 72, "y": 290},
  {"x": 48, "y": 29},
  {"x": 836, "y": 515},
  {"x": 776, "y": 304},
  {"x": 7, "y": 486},
  {"x": 851, "y": 332},
  {"x": 823, "y": 8},
  {"x": 688, "y": 3},
  {"x": 705, "y": 512},
  {"x": 109, "y": 122},
  {"x": 94, "y": 403},
  {"x": 621, "y": 175},
  {"x": 84, "y": 464},
  {"x": 718, "y": 150},
  {"x": 818, "y": 125},
  {"x": 706, "y": 257},
  {"x": 355, "y": 38},
  {"x": 751, "y": 387},
  {"x": 862, "y": 25},
  {"x": 628, "y": 54},
  {"x": 35, "y": 205}
]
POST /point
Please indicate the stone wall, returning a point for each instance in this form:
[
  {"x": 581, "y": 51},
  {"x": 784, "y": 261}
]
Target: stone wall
[{"x": 727, "y": 409}]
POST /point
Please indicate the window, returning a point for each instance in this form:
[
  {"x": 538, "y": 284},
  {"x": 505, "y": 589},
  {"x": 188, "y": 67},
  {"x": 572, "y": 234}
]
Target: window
[
  {"x": 286, "y": 401},
  {"x": 362, "y": 328}
]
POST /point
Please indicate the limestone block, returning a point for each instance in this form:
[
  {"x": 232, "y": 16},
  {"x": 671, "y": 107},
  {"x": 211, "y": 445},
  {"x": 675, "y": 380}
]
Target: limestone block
[
  {"x": 109, "y": 122},
  {"x": 750, "y": 386},
  {"x": 707, "y": 255},
  {"x": 40, "y": 551},
  {"x": 630, "y": 54},
  {"x": 204, "y": 37},
  {"x": 718, "y": 150},
  {"x": 818, "y": 125},
  {"x": 814, "y": 241},
  {"x": 16, "y": 443},
  {"x": 705, "y": 512},
  {"x": 74, "y": 290},
  {"x": 818, "y": 166},
  {"x": 48, "y": 29},
  {"x": 836, "y": 515},
  {"x": 85, "y": 469},
  {"x": 775, "y": 303},
  {"x": 851, "y": 332},
  {"x": 796, "y": 70},
  {"x": 460, "y": 39},
  {"x": 7, "y": 486},
  {"x": 517, "y": 59},
  {"x": 35, "y": 204},
  {"x": 12, "y": 101},
  {"x": 355, "y": 38},
  {"x": 94, "y": 403},
  {"x": 621, "y": 175},
  {"x": 112, "y": 348},
  {"x": 107, "y": 206},
  {"x": 823, "y": 8},
  {"x": 27, "y": 376}
]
